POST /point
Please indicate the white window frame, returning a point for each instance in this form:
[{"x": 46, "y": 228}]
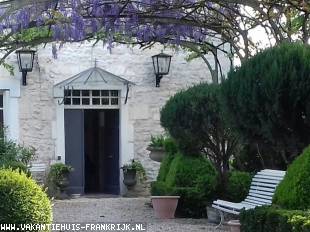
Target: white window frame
[{"x": 91, "y": 97}]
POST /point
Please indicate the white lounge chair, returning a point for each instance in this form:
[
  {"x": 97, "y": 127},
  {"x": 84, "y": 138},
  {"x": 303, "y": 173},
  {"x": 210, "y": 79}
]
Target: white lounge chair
[{"x": 262, "y": 189}]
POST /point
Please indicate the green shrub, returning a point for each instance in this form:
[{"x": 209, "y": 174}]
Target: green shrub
[
  {"x": 160, "y": 188},
  {"x": 13, "y": 155},
  {"x": 17, "y": 165},
  {"x": 58, "y": 171},
  {"x": 193, "y": 178},
  {"x": 238, "y": 186},
  {"x": 165, "y": 166},
  {"x": 192, "y": 202},
  {"x": 170, "y": 146},
  {"x": 57, "y": 175},
  {"x": 10, "y": 151},
  {"x": 294, "y": 191},
  {"x": 267, "y": 100},
  {"x": 194, "y": 118},
  {"x": 22, "y": 200},
  {"x": 170, "y": 149},
  {"x": 267, "y": 219}
]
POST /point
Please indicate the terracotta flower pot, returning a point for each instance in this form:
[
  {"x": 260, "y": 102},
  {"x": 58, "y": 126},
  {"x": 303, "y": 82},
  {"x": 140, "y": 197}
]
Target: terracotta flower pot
[
  {"x": 234, "y": 225},
  {"x": 165, "y": 206},
  {"x": 156, "y": 154}
]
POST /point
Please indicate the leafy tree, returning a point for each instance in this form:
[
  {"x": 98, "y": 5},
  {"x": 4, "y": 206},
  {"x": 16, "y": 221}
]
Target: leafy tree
[
  {"x": 195, "y": 120},
  {"x": 200, "y": 26},
  {"x": 267, "y": 100}
]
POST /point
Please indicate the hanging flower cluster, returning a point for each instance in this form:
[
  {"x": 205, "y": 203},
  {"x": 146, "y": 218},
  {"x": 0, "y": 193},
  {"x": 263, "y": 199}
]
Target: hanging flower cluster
[{"x": 145, "y": 20}]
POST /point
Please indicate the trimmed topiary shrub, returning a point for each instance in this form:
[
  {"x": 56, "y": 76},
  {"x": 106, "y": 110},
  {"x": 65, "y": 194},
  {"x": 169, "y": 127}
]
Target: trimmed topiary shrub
[
  {"x": 267, "y": 219},
  {"x": 160, "y": 188},
  {"x": 193, "y": 178},
  {"x": 170, "y": 146},
  {"x": 294, "y": 191},
  {"x": 165, "y": 166},
  {"x": 195, "y": 120},
  {"x": 267, "y": 101},
  {"x": 238, "y": 186},
  {"x": 22, "y": 200}
]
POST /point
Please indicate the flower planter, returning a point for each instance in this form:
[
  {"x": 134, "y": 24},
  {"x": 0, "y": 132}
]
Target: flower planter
[
  {"x": 213, "y": 215},
  {"x": 234, "y": 225},
  {"x": 165, "y": 206},
  {"x": 62, "y": 186},
  {"x": 156, "y": 154},
  {"x": 130, "y": 179}
]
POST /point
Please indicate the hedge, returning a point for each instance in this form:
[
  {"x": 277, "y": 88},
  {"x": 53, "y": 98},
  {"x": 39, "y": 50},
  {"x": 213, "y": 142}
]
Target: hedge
[
  {"x": 294, "y": 191},
  {"x": 192, "y": 177},
  {"x": 270, "y": 219}
]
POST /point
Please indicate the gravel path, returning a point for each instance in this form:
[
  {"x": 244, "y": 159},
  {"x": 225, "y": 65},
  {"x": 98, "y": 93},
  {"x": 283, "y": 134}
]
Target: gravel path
[{"x": 94, "y": 210}]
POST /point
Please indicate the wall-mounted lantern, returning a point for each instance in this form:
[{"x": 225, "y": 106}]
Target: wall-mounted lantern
[
  {"x": 161, "y": 63},
  {"x": 25, "y": 62}
]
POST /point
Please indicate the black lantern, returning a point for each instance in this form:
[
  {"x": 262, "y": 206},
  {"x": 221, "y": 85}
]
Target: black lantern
[
  {"x": 161, "y": 63},
  {"x": 25, "y": 62}
]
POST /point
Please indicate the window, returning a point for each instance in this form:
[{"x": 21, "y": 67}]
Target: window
[{"x": 95, "y": 98}]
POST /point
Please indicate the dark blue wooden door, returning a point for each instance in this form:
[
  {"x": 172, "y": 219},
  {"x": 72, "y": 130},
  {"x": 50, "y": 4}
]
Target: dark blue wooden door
[
  {"x": 111, "y": 152},
  {"x": 74, "y": 147},
  {"x": 92, "y": 149}
]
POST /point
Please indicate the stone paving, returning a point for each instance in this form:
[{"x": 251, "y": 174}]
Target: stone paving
[{"x": 105, "y": 210}]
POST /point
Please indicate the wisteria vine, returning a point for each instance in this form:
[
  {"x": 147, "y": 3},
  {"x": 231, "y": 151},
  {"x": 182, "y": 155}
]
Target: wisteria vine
[
  {"x": 191, "y": 23},
  {"x": 73, "y": 20}
]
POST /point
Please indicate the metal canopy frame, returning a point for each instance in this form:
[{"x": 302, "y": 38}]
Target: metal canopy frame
[{"x": 89, "y": 74}]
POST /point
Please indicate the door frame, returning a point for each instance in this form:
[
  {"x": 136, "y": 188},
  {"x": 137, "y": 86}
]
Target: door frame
[{"x": 126, "y": 128}]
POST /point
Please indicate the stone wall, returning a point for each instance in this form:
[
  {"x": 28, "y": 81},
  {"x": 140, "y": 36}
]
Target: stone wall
[{"x": 37, "y": 106}]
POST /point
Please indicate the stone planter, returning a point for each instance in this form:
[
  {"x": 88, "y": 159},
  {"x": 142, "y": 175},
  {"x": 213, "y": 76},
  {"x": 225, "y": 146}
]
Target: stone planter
[
  {"x": 213, "y": 215},
  {"x": 234, "y": 225},
  {"x": 130, "y": 177},
  {"x": 165, "y": 206},
  {"x": 156, "y": 154}
]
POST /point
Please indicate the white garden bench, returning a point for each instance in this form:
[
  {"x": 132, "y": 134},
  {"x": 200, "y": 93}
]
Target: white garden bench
[
  {"x": 262, "y": 189},
  {"x": 37, "y": 167}
]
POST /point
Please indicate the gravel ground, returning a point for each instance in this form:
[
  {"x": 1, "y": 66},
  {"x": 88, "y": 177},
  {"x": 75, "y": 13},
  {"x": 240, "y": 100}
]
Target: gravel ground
[{"x": 105, "y": 210}]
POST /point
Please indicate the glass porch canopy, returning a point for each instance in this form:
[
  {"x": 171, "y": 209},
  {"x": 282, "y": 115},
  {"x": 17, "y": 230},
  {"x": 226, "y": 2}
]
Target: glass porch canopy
[{"x": 94, "y": 76}]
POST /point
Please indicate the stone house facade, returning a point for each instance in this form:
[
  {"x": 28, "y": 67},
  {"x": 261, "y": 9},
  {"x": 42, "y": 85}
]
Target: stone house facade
[{"x": 35, "y": 115}]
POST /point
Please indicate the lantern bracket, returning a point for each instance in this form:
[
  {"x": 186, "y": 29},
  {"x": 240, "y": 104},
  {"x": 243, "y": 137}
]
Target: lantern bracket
[
  {"x": 158, "y": 78},
  {"x": 24, "y": 76}
]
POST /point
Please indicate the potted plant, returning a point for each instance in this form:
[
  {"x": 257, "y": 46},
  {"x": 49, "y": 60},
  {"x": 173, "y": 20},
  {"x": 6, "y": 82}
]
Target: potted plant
[
  {"x": 164, "y": 200},
  {"x": 130, "y": 172},
  {"x": 58, "y": 180},
  {"x": 156, "y": 148}
]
